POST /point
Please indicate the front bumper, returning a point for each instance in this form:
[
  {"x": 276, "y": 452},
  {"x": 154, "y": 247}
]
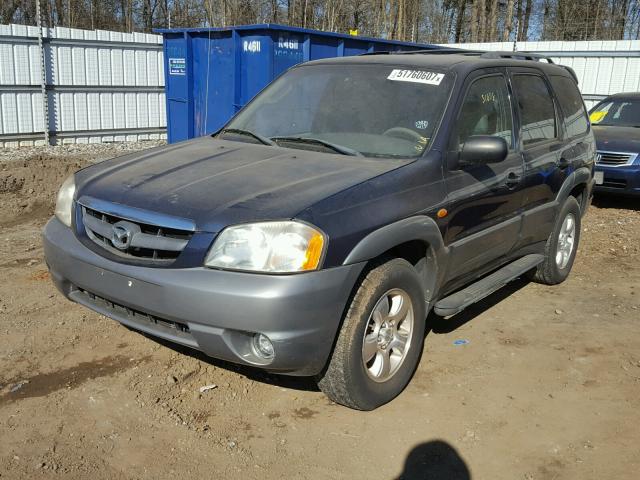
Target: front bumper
[
  {"x": 620, "y": 180},
  {"x": 213, "y": 311}
]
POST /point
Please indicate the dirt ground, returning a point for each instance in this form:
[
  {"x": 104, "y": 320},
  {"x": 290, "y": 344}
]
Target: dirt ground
[{"x": 546, "y": 386}]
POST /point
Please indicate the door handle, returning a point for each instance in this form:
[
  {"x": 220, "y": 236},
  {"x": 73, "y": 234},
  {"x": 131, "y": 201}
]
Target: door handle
[{"x": 513, "y": 179}]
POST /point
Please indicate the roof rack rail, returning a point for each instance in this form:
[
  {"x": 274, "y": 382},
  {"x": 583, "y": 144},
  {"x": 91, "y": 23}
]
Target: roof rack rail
[
  {"x": 518, "y": 56},
  {"x": 529, "y": 56},
  {"x": 536, "y": 57},
  {"x": 462, "y": 51}
]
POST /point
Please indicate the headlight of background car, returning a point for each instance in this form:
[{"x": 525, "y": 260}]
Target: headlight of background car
[
  {"x": 64, "y": 202},
  {"x": 275, "y": 247}
]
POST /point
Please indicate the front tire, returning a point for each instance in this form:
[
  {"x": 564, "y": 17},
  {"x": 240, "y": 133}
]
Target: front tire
[
  {"x": 380, "y": 342},
  {"x": 561, "y": 247}
]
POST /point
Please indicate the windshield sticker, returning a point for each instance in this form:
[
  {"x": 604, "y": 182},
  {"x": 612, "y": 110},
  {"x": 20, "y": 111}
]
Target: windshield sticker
[
  {"x": 422, "y": 143},
  {"x": 416, "y": 76},
  {"x": 422, "y": 124},
  {"x": 597, "y": 117},
  {"x": 488, "y": 97}
]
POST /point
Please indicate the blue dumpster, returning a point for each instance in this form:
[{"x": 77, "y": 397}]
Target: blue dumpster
[{"x": 210, "y": 73}]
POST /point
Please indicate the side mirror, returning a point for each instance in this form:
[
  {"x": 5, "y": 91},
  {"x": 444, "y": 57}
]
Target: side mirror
[{"x": 483, "y": 149}]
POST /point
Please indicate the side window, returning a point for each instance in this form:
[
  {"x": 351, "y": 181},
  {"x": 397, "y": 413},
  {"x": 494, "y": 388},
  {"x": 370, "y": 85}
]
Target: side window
[
  {"x": 486, "y": 110},
  {"x": 536, "y": 109},
  {"x": 575, "y": 115}
]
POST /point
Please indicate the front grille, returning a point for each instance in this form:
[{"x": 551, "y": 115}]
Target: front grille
[
  {"x": 138, "y": 241},
  {"x": 135, "y": 316},
  {"x": 615, "y": 159}
]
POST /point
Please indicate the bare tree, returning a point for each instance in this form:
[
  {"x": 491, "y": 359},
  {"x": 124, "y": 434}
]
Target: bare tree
[
  {"x": 409, "y": 20},
  {"x": 508, "y": 22}
]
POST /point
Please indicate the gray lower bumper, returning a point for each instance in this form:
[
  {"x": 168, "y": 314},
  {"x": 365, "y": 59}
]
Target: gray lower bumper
[{"x": 213, "y": 311}]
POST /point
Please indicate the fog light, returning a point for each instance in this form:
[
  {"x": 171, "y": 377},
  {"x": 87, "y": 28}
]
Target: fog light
[{"x": 262, "y": 346}]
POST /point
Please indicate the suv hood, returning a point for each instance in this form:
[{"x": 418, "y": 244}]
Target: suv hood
[
  {"x": 617, "y": 139},
  {"x": 216, "y": 183}
]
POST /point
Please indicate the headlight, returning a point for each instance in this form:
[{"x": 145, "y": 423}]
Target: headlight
[
  {"x": 274, "y": 247},
  {"x": 64, "y": 202}
]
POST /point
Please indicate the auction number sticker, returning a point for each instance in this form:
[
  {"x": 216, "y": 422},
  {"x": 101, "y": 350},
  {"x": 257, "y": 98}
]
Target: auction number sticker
[{"x": 416, "y": 76}]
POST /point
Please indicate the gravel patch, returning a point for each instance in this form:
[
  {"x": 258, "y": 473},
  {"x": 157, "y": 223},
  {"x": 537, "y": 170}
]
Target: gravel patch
[{"x": 93, "y": 152}]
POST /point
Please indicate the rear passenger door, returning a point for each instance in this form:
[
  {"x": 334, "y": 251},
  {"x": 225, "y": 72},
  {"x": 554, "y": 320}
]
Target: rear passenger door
[
  {"x": 484, "y": 201},
  {"x": 542, "y": 148},
  {"x": 578, "y": 139}
]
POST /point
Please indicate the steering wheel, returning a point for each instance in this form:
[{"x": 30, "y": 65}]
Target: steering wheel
[{"x": 405, "y": 134}]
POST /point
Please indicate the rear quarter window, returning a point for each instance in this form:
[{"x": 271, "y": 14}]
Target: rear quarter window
[
  {"x": 573, "y": 110},
  {"x": 537, "y": 112}
]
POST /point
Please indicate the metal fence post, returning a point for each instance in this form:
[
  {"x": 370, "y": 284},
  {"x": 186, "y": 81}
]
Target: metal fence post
[{"x": 43, "y": 76}]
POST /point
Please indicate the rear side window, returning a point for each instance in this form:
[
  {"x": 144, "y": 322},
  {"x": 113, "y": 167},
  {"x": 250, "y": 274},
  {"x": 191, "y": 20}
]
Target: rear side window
[
  {"x": 537, "y": 112},
  {"x": 486, "y": 110},
  {"x": 575, "y": 115}
]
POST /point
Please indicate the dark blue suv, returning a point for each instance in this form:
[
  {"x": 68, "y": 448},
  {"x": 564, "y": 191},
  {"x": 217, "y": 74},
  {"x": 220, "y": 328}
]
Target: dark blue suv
[
  {"x": 616, "y": 125},
  {"x": 314, "y": 233}
]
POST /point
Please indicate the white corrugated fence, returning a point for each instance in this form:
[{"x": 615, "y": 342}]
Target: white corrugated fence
[
  {"x": 109, "y": 86},
  {"x": 101, "y": 86}
]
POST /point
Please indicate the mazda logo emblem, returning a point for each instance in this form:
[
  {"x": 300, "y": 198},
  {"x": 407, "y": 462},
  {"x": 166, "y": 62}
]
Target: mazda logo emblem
[{"x": 122, "y": 234}]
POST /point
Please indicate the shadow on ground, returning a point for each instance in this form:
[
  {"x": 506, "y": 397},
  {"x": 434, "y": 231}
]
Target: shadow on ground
[
  {"x": 437, "y": 324},
  {"x": 434, "y": 460},
  {"x": 295, "y": 383},
  {"x": 614, "y": 201},
  {"x": 434, "y": 323}
]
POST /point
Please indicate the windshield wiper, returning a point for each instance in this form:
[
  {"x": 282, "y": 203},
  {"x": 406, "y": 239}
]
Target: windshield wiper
[
  {"x": 248, "y": 133},
  {"x": 316, "y": 141}
]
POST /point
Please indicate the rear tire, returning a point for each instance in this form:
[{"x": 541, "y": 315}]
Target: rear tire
[
  {"x": 562, "y": 245},
  {"x": 380, "y": 342}
]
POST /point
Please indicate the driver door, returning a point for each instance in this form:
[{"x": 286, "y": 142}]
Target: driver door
[{"x": 484, "y": 200}]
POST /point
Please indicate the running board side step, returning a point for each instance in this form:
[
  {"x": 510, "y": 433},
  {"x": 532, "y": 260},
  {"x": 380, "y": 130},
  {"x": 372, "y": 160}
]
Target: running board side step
[{"x": 484, "y": 287}]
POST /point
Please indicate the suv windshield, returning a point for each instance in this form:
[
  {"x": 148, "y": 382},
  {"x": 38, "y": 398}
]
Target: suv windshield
[
  {"x": 621, "y": 113},
  {"x": 371, "y": 110}
]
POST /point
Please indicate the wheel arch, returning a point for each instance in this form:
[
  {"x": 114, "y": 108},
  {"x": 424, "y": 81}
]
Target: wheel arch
[
  {"x": 416, "y": 239},
  {"x": 576, "y": 185}
]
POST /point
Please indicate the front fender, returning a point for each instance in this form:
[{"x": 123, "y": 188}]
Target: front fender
[{"x": 420, "y": 228}]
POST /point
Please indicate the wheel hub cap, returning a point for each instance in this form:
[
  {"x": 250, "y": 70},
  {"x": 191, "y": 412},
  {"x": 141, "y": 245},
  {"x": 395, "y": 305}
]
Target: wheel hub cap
[
  {"x": 387, "y": 335},
  {"x": 566, "y": 241},
  {"x": 384, "y": 336}
]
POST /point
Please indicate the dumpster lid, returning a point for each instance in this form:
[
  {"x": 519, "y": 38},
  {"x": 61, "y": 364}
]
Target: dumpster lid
[{"x": 286, "y": 28}]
